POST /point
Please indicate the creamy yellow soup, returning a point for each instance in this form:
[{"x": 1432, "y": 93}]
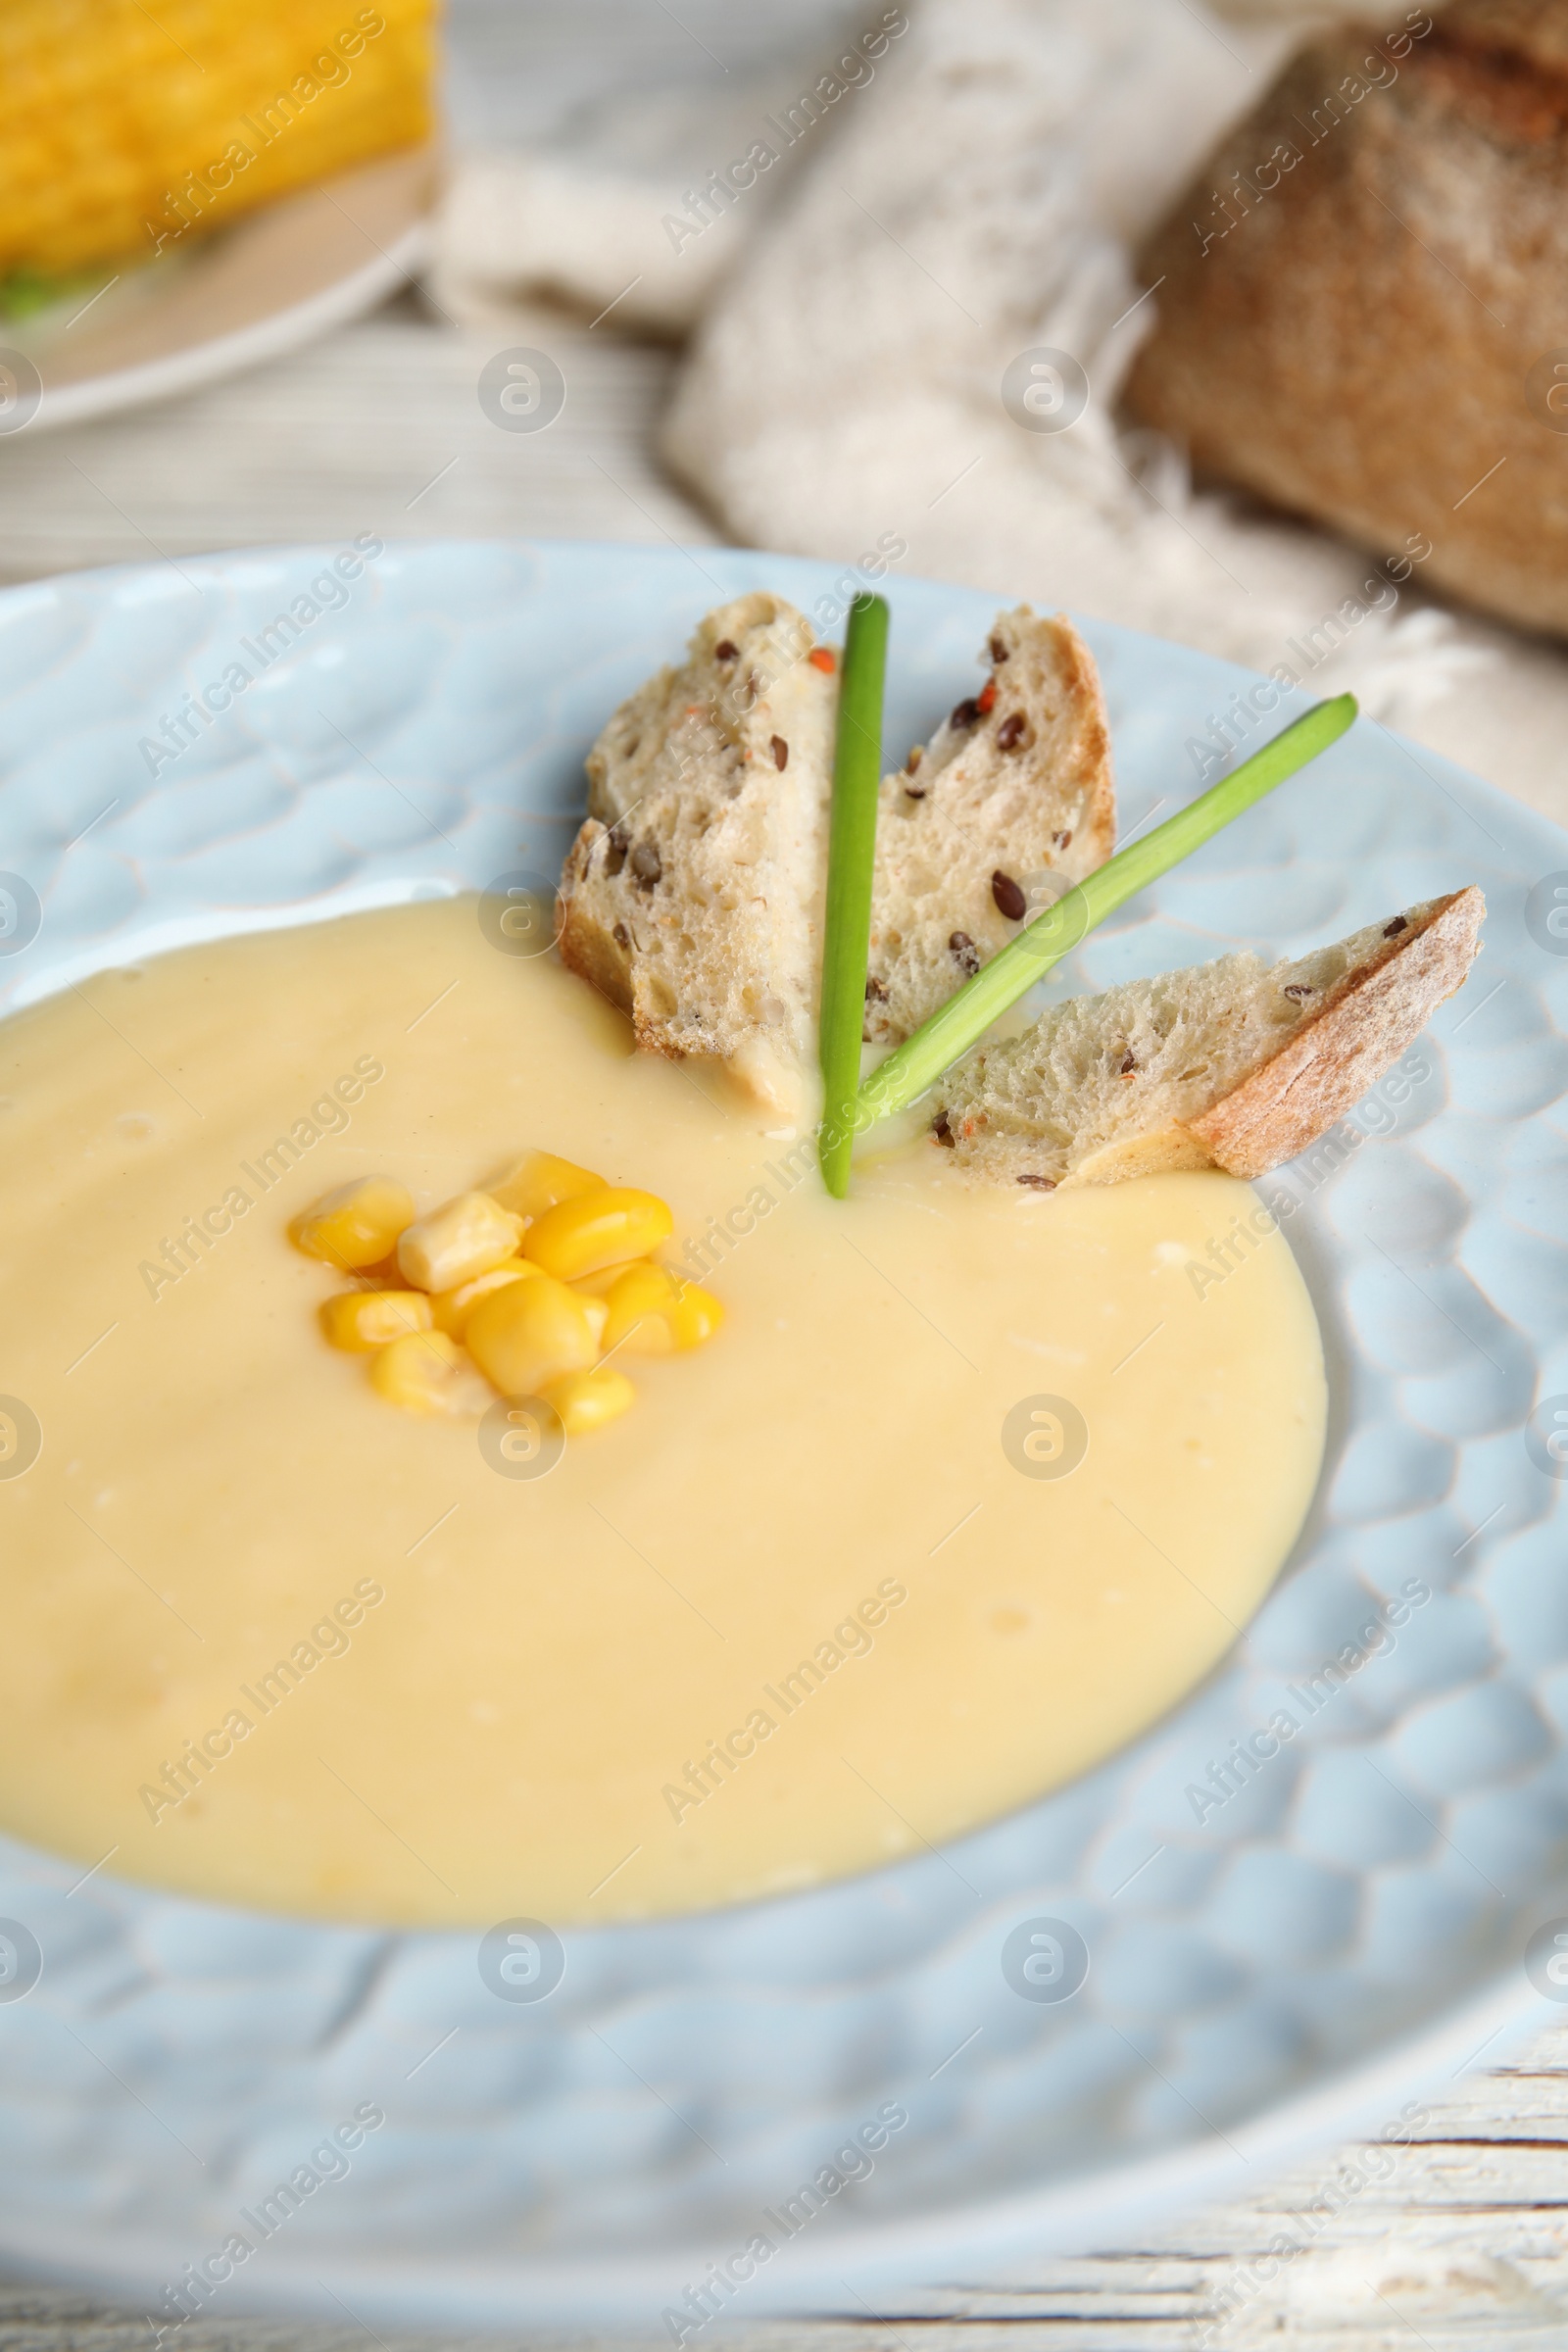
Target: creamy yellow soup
[{"x": 969, "y": 1490}]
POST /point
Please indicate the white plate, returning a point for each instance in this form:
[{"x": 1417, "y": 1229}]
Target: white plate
[
  {"x": 1288, "y": 1966},
  {"x": 278, "y": 277}
]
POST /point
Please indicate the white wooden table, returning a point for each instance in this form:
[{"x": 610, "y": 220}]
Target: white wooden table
[
  {"x": 379, "y": 428},
  {"x": 1464, "y": 2244}
]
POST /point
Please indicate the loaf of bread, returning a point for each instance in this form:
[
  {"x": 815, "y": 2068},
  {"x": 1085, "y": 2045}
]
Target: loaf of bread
[
  {"x": 1361, "y": 299},
  {"x": 1235, "y": 1064},
  {"x": 693, "y": 896}
]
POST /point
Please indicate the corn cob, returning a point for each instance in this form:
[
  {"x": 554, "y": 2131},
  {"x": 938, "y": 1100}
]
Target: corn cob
[{"x": 126, "y": 131}]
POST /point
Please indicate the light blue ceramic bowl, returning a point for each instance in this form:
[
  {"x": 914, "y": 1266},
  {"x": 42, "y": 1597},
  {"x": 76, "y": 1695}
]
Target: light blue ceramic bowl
[{"x": 1286, "y": 1965}]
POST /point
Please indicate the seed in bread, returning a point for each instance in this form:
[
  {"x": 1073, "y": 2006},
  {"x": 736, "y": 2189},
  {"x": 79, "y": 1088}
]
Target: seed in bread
[
  {"x": 1010, "y": 803},
  {"x": 692, "y": 897},
  {"x": 1236, "y": 1064}
]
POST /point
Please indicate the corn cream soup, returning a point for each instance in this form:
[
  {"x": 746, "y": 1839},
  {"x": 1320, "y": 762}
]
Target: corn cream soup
[{"x": 970, "y": 1487}]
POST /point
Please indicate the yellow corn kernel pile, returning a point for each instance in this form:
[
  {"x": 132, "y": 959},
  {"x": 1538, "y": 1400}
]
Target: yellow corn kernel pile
[
  {"x": 126, "y": 130},
  {"x": 525, "y": 1290}
]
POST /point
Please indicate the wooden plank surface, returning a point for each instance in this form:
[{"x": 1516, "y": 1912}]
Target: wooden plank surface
[{"x": 379, "y": 428}]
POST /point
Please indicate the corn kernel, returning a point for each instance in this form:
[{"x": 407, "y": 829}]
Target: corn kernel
[
  {"x": 694, "y": 1317},
  {"x": 427, "y": 1372},
  {"x": 528, "y": 1333},
  {"x": 360, "y": 1320},
  {"x": 596, "y": 1230},
  {"x": 638, "y": 1311},
  {"x": 597, "y": 1311},
  {"x": 357, "y": 1224},
  {"x": 539, "y": 1181},
  {"x": 586, "y": 1400},
  {"x": 650, "y": 1314},
  {"x": 464, "y": 1238},
  {"x": 453, "y": 1308}
]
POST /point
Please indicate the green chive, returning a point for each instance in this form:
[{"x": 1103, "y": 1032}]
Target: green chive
[
  {"x": 965, "y": 1018},
  {"x": 852, "y": 850}
]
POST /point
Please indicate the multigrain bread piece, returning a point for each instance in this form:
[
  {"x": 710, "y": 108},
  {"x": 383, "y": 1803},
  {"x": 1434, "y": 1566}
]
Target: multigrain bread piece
[
  {"x": 1012, "y": 801},
  {"x": 1235, "y": 1064},
  {"x": 692, "y": 897}
]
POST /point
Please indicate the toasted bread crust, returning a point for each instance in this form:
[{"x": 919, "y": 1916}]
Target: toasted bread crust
[
  {"x": 1277, "y": 1053},
  {"x": 1366, "y": 1023}
]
